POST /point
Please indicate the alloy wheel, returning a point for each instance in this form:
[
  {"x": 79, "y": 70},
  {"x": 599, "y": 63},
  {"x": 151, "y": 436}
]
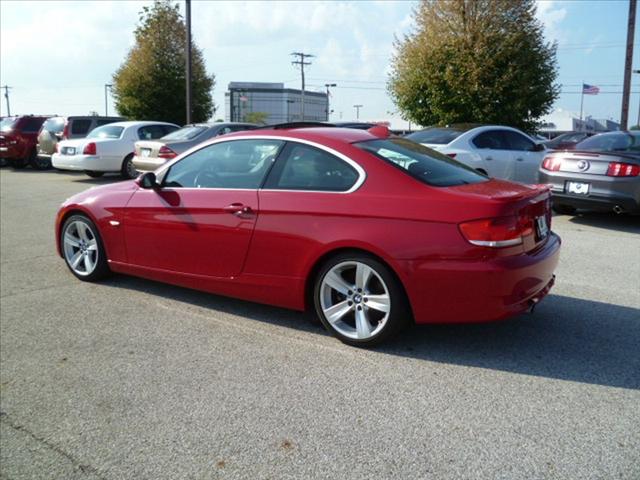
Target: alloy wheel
[
  {"x": 355, "y": 300},
  {"x": 80, "y": 247}
]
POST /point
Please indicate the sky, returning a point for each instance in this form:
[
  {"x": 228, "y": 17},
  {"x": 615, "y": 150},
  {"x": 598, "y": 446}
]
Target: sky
[{"x": 58, "y": 55}]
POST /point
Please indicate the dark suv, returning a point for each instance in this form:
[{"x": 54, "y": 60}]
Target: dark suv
[
  {"x": 65, "y": 128},
  {"x": 18, "y": 138}
]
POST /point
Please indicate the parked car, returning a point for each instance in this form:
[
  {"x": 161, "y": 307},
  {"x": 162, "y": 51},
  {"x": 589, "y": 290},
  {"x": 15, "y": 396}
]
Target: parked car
[
  {"x": 65, "y": 128},
  {"x": 371, "y": 230},
  {"x": 567, "y": 141},
  {"x": 499, "y": 152},
  {"x": 602, "y": 173},
  {"x": 109, "y": 148},
  {"x": 149, "y": 155},
  {"x": 18, "y": 138}
]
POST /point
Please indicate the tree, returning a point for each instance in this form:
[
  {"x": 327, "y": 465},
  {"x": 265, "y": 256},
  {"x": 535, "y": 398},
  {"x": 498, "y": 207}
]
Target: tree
[
  {"x": 483, "y": 61},
  {"x": 259, "y": 118},
  {"x": 150, "y": 84}
]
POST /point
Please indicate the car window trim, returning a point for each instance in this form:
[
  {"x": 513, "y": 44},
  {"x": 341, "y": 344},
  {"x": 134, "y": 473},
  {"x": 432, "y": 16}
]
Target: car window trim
[{"x": 162, "y": 171}]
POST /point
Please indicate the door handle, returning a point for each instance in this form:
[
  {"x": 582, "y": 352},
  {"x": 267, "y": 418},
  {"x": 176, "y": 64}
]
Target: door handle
[
  {"x": 489, "y": 158},
  {"x": 520, "y": 159},
  {"x": 237, "y": 209}
]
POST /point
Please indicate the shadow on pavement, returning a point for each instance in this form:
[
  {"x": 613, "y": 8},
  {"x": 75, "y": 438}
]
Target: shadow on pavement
[
  {"x": 566, "y": 338},
  {"x": 609, "y": 221}
]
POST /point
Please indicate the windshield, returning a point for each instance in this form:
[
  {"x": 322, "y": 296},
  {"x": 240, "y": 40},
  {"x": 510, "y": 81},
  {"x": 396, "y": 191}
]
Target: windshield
[
  {"x": 422, "y": 163},
  {"x": 108, "y": 131},
  {"x": 54, "y": 125},
  {"x": 436, "y": 135},
  {"x": 186, "y": 133},
  {"x": 611, "y": 142},
  {"x": 7, "y": 123}
]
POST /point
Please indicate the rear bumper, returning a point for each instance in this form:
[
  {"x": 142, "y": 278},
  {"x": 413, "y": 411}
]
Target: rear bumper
[
  {"x": 147, "y": 164},
  {"x": 481, "y": 290},
  {"x": 11, "y": 152},
  {"x": 83, "y": 162}
]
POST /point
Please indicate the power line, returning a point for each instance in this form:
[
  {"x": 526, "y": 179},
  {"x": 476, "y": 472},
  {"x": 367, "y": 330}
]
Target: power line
[{"x": 300, "y": 61}]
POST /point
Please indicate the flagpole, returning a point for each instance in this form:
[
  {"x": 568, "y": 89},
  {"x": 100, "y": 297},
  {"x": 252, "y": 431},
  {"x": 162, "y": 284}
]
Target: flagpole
[{"x": 581, "y": 104}]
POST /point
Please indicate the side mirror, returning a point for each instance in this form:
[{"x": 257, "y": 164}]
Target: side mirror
[
  {"x": 538, "y": 147},
  {"x": 148, "y": 180}
]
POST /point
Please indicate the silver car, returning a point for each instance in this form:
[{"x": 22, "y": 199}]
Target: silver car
[
  {"x": 150, "y": 155},
  {"x": 602, "y": 173}
]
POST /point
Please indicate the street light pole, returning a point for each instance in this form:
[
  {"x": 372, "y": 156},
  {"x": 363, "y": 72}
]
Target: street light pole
[
  {"x": 107, "y": 86},
  {"x": 327, "y": 86},
  {"x": 358, "y": 107}
]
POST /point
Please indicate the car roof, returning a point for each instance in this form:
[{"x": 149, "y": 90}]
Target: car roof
[
  {"x": 137, "y": 124},
  {"x": 346, "y": 135}
]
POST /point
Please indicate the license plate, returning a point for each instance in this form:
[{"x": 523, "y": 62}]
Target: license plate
[
  {"x": 541, "y": 227},
  {"x": 579, "y": 188},
  {"x": 145, "y": 152},
  {"x": 69, "y": 150}
]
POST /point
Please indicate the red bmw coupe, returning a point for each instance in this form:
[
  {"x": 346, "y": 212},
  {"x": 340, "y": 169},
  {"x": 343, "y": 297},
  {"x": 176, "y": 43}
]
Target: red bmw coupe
[{"x": 370, "y": 230}]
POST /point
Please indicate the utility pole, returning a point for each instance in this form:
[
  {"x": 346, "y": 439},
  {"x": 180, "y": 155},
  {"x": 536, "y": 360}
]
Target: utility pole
[
  {"x": 626, "y": 89},
  {"x": 6, "y": 96},
  {"x": 300, "y": 61},
  {"x": 106, "y": 105},
  {"x": 327, "y": 86},
  {"x": 188, "y": 55},
  {"x": 638, "y": 71},
  {"x": 358, "y": 107}
]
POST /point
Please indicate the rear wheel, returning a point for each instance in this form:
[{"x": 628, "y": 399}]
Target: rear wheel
[
  {"x": 128, "y": 169},
  {"x": 39, "y": 163},
  {"x": 94, "y": 174},
  {"x": 83, "y": 250},
  {"x": 564, "y": 209},
  {"x": 359, "y": 300}
]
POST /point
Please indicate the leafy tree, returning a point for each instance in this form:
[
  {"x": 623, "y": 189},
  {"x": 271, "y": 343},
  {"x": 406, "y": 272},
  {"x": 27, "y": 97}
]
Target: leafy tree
[
  {"x": 482, "y": 61},
  {"x": 150, "y": 84},
  {"x": 259, "y": 118}
]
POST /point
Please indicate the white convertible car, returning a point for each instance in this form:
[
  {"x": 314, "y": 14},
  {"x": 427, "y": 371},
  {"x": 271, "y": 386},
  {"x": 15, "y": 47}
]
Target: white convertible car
[
  {"x": 109, "y": 148},
  {"x": 499, "y": 152}
]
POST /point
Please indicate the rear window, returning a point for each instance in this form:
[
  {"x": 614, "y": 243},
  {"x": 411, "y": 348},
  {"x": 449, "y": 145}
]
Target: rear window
[
  {"x": 422, "y": 163},
  {"x": 31, "y": 124},
  {"x": 435, "y": 135},
  {"x": 80, "y": 126},
  {"x": 108, "y": 131},
  {"x": 186, "y": 133},
  {"x": 7, "y": 124},
  {"x": 611, "y": 142},
  {"x": 54, "y": 125}
]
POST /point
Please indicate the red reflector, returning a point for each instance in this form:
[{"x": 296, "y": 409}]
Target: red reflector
[
  {"x": 65, "y": 130},
  {"x": 89, "y": 149},
  {"x": 552, "y": 163},
  {"x": 497, "y": 232},
  {"x": 619, "y": 169},
  {"x": 166, "y": 152}
]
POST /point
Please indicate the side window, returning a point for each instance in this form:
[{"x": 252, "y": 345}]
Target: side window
[
  {"x": 151, "y": 132},
  {"x": 100, "y": 123},
  {"x": 80, "y": 126},
  {"x": 518, "y": 141},
  {"x": 303, "y": 167},
  {"x": 224, "y": 131},
  {"x": 31, "y": 125},
  {"x": 234, "y": 164},
  {"x": 167, "y": 129},
  {"x": 492, "y": 139}
]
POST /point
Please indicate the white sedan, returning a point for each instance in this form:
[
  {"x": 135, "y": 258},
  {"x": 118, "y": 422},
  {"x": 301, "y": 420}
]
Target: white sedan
[
  {"x": 109, "y": 148},
  {"x": 499, "y": 152}
]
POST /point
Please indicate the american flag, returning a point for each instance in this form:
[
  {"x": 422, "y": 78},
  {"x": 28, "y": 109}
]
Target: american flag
[{"x": 590, "y": 89}]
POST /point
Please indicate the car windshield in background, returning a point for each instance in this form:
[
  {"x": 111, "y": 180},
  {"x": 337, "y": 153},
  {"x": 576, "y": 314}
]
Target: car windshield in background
[
  {"x": 7, "y": 124},
  {"x": 54, "y": 125},
  {"x": 422, "y": 163},
  {"x": 186, "y": 133},
  {"x": 436, "y": 135},
  {"x": 108, "y": 131},
  {"x": 611, "y": 142}
]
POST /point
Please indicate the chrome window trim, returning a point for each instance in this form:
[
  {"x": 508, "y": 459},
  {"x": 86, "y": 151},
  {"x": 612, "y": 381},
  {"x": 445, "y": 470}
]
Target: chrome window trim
[{"x": 358, "y": 183}]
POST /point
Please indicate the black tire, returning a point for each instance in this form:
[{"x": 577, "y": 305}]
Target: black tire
[
  {"x": 39, "y": 163},
  {"x": 18, "y": 163},
  {"x": 101, "y": 269},
  {"x": 127, "y": 168},
  {"x": 3, "y": 162},
  {"x": 94, "y": 174},
  {"x": 564, "y": 209},
  {"x": 399, "y": 315}
]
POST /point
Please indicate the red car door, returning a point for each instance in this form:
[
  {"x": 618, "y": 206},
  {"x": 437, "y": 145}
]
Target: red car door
[{"x": 201, "y": 219}]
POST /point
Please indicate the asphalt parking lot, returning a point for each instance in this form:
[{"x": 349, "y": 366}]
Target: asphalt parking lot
[{"x": 134, "y": 379}]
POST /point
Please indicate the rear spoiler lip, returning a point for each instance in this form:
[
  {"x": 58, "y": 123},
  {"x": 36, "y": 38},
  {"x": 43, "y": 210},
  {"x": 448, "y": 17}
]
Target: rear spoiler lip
[{"x": 591, "y": 153}]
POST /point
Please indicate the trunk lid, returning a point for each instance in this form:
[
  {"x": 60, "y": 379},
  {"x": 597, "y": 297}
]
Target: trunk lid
[
  {"x": 148, "y": 148},
  {"x": 591, "y": 163}
]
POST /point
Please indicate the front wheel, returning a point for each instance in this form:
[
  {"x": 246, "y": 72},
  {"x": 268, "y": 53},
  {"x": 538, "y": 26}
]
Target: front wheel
[
  {"x": 128, "y": 170},
  {"x": 359, "y": 300},
  {"x": 83, "y": 250}
]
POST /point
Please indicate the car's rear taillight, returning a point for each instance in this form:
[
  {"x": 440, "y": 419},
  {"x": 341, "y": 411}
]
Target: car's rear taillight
[
  {"x": 497, "y": 232},
  {"x": 619, "y": 169},
  {"x": 552, "y": 163},
  {"x": 166, "y": 152},
  {"x": 65, "y": 130},
  {"x": 89, "y": 149}
]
